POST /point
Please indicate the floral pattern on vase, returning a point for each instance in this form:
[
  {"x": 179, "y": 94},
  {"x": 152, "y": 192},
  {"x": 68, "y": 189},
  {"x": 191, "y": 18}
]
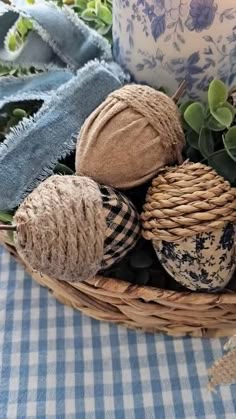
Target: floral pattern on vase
[
  {"x": 206, "y": 261},
  {"x": 201, "y": 15},
  {"x": 162, "y": 42}
]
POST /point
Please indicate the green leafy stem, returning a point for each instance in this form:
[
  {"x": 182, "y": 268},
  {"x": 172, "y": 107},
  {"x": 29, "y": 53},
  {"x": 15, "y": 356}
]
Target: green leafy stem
[
  {"x": 96, "y": 13},
  {"x": 18, "y": 34},
  {"x": 211, "y": 131}
]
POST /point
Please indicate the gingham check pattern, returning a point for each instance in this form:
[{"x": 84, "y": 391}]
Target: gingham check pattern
[
  {"x": 123, "y": 226},
  {"x": 56, "y": 363}
]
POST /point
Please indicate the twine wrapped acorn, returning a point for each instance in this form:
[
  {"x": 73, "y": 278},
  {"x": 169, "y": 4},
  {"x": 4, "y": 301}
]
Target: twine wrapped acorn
[
  {"x": 223, "y": 371},
  {"x": 69, "y": 228},
  {"x": 189, "y": 215},
  {"x": 129, "y": 137}
]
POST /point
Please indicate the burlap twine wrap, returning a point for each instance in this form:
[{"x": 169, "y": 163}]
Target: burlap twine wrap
[
  {"x": 129, "y": 137},
  {"x": 70, "y": 228},
  {"x": 223, "y": 371},
  {"x": 61, "y": 228},
  {"x": 186, "y": 200},
  {"x": 158, "y": 109}
]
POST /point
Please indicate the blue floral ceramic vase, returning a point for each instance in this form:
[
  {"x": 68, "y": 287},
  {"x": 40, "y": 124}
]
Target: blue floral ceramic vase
[{"x": 162, "y": 42}]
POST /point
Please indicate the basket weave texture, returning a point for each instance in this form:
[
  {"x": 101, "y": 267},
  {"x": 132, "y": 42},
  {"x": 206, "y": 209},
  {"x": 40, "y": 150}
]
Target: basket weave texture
[{"x": 141, "y": 307}]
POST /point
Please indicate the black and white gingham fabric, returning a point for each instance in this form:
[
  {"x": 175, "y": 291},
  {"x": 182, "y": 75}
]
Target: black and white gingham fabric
[{"x": 123, "y": 226}]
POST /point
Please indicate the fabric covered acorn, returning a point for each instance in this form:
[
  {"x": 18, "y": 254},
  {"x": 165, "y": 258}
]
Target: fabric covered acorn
[
  {"x": 70, "y": 228},
  {"x": 129, "y": 137},
  {"x": 189, "y": 215}
]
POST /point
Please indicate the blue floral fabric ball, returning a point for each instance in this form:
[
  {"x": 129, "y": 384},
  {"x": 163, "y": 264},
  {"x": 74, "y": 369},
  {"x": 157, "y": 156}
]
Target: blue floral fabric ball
[{"x": 206, "y": 261}]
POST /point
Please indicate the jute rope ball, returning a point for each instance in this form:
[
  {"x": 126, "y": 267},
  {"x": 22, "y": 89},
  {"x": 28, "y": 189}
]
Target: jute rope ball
[
  {"x": 66, "y": 228},
  {"x": 129, "y": 137},
  {"x": 189, "y": 215},
  {"x": 187, "y": 200}
]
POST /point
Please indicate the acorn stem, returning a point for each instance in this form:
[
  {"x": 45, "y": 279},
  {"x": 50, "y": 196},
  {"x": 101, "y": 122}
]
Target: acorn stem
[
  {"x": 180, "y": 91},
  {"x": 7, "y": 227}
]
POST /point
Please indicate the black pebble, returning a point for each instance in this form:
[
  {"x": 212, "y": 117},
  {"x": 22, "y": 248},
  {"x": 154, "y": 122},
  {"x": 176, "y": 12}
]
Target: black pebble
[{"x": 141, "y": 259}]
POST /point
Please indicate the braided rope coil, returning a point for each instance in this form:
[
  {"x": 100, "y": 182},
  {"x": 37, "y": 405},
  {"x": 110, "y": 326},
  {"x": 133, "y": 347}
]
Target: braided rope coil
[{"x": 186, "y": 200}]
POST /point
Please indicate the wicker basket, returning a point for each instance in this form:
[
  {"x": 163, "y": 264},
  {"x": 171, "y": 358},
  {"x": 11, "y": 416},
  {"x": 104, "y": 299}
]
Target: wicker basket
[{"x": 146, "y": 308}]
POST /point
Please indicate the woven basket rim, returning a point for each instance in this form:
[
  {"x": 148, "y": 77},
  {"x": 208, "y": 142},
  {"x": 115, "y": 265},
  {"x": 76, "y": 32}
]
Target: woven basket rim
[
  {"x": 150, "y": 293},
  {"x": 146, "y": 308},
  {"x": 147, "y": 293}
]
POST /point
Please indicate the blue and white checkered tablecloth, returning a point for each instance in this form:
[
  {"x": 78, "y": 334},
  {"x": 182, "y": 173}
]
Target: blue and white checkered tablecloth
[{"x": 57, "y": 363}]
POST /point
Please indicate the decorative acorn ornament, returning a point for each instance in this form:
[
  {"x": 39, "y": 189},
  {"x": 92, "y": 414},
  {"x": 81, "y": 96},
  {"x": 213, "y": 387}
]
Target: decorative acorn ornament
[
  {"x": 189, "y": 215},
  {"x": 130, "y": 136},
  {"x": 70, "y": 228},
  {"x": 223, "y": 371}
]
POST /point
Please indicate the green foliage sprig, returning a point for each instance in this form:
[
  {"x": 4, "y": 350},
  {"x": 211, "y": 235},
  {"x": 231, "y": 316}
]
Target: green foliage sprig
[
  {"x": 96, "y": 13},
  {"x": 211, "y": 131},
  {"x": 18, "y": 35},
  {"x": 12, "y": 113},
  {"x": 16, "y": 71}
]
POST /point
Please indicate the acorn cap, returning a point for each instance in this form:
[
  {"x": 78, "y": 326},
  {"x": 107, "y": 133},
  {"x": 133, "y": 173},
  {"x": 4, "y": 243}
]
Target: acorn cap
[
  {"x": 129, "y": 137},
  {"x": 186, "y": 200}
]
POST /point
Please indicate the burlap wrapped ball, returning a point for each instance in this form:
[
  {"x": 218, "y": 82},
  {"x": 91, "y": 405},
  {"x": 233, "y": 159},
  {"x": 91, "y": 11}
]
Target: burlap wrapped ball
[
  {"x": 69, "y": 228},
  {"x": 190, "y": 216},
  {"x": 129, "y": 137}
]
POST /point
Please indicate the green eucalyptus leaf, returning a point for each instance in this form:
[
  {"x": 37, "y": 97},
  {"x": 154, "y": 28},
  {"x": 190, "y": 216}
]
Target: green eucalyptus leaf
[
  {"x": 5, "y": 217},
  {"x": 229, "y": 141},
  {"x": 12, "y": 42},
  {"x": 105, "y": 15},
  {"x": 214, "y": 125},
  {"x": 206, "y": 142},
  {"x": 230, "y": 107},
  {"x": 184, "y": 106},
  {"x": 4, "y": 71},
  {"x": 195, "y": 116},
  {"x": 82, "y": 4},
  {"x": 193, "y": 139},
  {"x": 217, "y": 94},
  {"x": 63, "y": 169},
  {"x": 19, "y": 113},
  {"x": 103, "y": 29},
  {"x": 182, "y": 109},
  {"x": 91, "y": 5},
  {"x": 97, "y": 6},
  {"x": 28, "y": 24},
  {"x": 22, "y": 27},
  {"x": 12, "y": 72},
  {"x": 89, "y": 15},
  {"x": 224, "y": 116},
  {"x": 223, "y": 164}
]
